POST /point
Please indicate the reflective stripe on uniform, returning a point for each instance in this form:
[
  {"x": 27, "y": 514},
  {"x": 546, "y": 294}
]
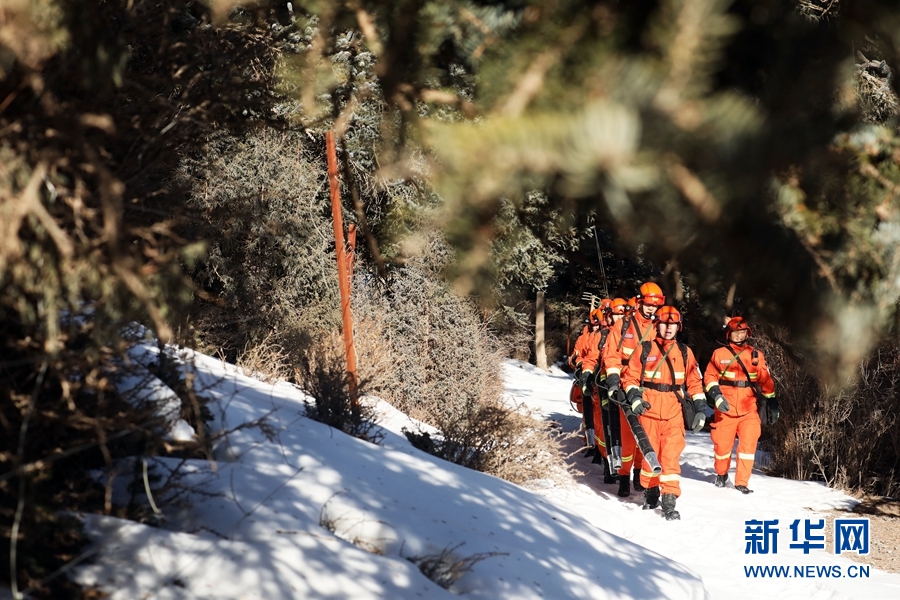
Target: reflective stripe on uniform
[
  {"x": 648, "y": 375},
  {"x": 746, "y": 456},
  {"x": 612, "y": 371},
  {"x": 648, "y": 475},
  {"x": 723, "y": 456},
  {"x": 670, "y": 477},
  {"x": 700, "y": 396},
  {"x": 708, "y": 387},
  {"x": 627, "y": 351}
]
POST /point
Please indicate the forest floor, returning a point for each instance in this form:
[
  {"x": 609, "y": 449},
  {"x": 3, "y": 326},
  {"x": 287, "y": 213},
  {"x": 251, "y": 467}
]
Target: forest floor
[{"x": 884, "y": 532}]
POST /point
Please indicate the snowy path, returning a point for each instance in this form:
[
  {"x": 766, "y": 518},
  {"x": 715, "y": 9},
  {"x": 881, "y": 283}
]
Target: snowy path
[{"x": 710, "y": 539}]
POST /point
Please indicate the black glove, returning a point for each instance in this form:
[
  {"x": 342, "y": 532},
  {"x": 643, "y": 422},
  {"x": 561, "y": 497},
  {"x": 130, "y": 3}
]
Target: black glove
[
  {"x": 712, "y": 393},
  {"x": 774, "y": 411},
  {"x": 635, "y": 399},
  {"x": 720, "y": 403},
  {"x": 612, "y": 383},
  {"x": 700, "y": 416},
  {"x": 586, "y": 378},
  {"x": 699, "y": 422}
]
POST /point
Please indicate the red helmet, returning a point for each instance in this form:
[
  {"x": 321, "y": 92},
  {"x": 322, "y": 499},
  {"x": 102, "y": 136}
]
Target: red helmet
[
  {"x": 652, "y": 295},
  {"x": 669, "y": 314},
  {"x": 618, "y": 306},
  {"x": 737, "y": 324}
]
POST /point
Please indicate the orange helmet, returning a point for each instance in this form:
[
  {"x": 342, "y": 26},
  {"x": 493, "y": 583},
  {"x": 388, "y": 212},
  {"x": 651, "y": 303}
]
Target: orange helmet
[
  {"x": 737, "y": 324},
  {"x": 652, "y": 295},
  {"x": 604, "y": 305},
  {"x": 618, "y": 306},
  {"x": 632, "y": 304},
  {"x": 669, "y": 314},
  {"x": 596, "y": 316}
]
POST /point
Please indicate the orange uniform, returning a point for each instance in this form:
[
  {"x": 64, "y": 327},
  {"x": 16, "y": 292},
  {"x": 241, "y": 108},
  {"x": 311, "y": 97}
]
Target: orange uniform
[
  {"x": 616, "y": 353},
  {"x": 663, "y": 421},
  {"x": 587, "y": 357},
  {"x": 588, "y": 348},
  {"x": 586, "y": 354},
  {"x": 724, "y": 374},
  {"x": 596, "y": 405}
]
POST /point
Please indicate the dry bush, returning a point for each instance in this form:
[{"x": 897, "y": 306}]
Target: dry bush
[
  {"x": 437, "y": 362},
  {"x": 510, "y": 444},
  {"x": 817, "y": 10},
  {"x": 261, "y": 202},
  {"x": 322, "y": 372},
  {"x": 875, "y": 96},
  {"x": 446, "y": 566},
  {"x": 847, "y": 437},
  {"x": 267, "y": 361}
]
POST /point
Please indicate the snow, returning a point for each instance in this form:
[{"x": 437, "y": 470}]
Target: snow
[{"x": 290, "y": 508}]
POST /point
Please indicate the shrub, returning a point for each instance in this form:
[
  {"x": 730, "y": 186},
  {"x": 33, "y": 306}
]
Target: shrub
[
  {"x": 445, "y": 567},
  {"x": 322, "y": 371},
  {"x": 262, "y": 204},
  {"x": 446, "y": 373},
  {"x": 848, "y": 437}
]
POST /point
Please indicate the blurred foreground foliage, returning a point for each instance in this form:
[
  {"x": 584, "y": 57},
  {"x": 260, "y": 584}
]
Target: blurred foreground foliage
[
  {"x": 746, "y": 144},
  {"x": 97, "y": 99}
]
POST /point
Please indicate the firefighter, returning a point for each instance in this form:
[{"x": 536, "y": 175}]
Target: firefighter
[
  {"x": 613, "y": 313},
  {"x": 585, "y": 359},
  {"x": 656, "y": 376},
  {"x": 738, "y": 385},
  {"x": 636, "y": 328}
]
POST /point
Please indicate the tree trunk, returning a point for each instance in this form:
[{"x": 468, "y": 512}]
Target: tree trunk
[{"x": 540, "y": 349}]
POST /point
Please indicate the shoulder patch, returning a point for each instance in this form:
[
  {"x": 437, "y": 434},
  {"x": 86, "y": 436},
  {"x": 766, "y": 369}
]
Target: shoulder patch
[
  {"x": 724, "y": 362},
  {"x": 629, "y": 335},
  {"x": 652, "y": 357}
]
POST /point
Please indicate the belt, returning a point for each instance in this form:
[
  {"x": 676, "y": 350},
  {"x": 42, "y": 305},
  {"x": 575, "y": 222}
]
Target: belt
[
  {"x": 737, "y": 384},
  {"x": 662, "y": 387}
]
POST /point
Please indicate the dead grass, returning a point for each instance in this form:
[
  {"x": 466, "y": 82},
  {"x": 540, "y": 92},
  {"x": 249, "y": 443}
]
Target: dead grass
[
  {"x": 267, "y": 360},
  {"x": 445, "y": 567}
]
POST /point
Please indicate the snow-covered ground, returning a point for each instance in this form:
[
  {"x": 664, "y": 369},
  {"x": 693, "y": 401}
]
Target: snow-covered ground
[{"x": 296, "y": 509}]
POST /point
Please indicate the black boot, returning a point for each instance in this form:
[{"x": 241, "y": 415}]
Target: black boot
[
  {"x": 668, "y": 507},
  {"x": 624, "y": 486},
  {"x": 721, "y": 480},
  {"x": 598, "y": 458},
  {"x": 651, "y": 498},
  {"x": 636, "y": 482},
  {"x": 607, "y": 476},
  {"x": 591, "y": 451},
  {"x": 743, "y": 489}
]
